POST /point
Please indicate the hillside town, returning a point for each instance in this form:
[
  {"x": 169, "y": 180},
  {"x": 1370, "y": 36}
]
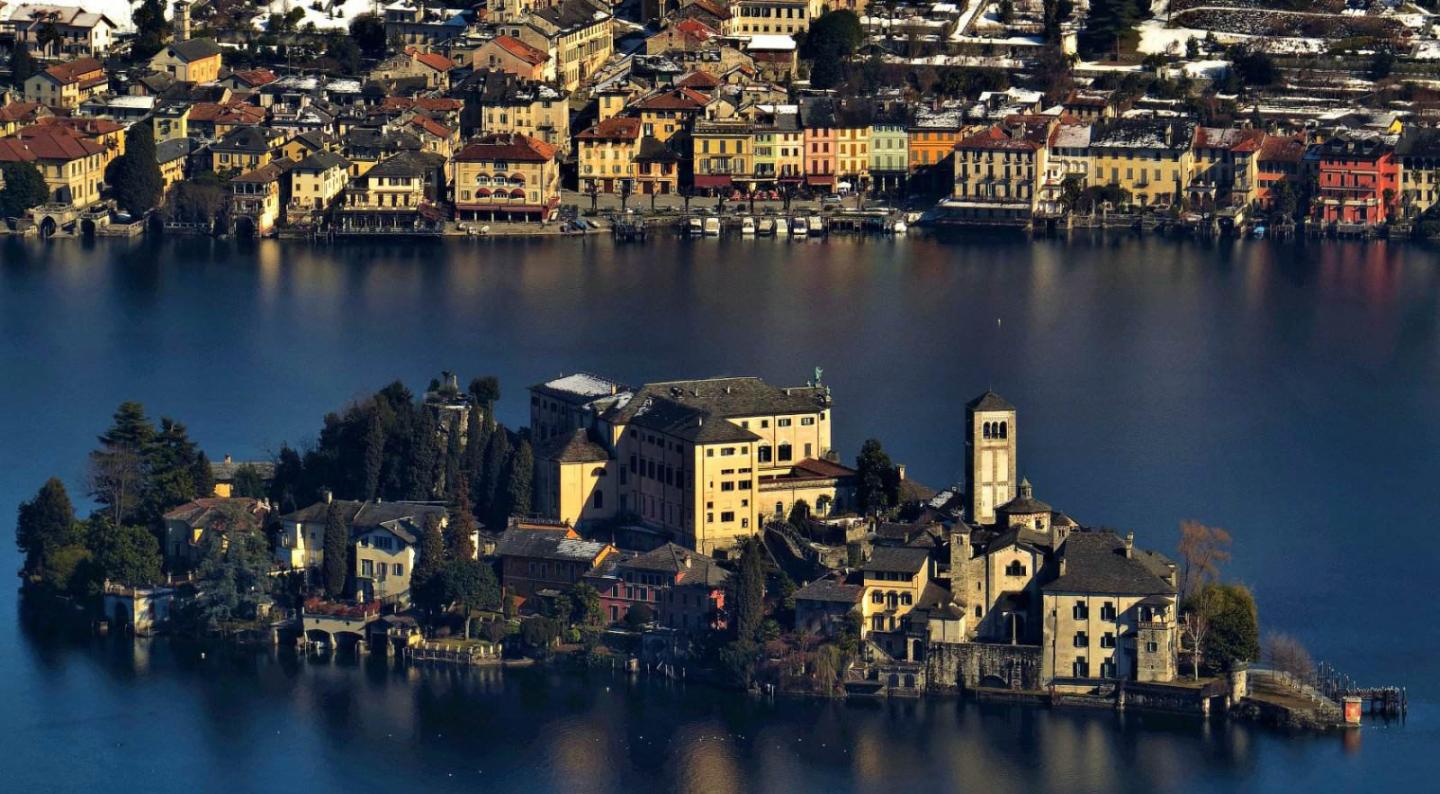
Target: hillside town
[
  {"x": 704, "y": 529},
  {"x": 418, "y": 118}
]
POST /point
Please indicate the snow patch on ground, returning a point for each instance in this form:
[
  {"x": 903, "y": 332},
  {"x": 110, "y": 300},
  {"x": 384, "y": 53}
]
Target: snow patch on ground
[{"x": 335, "y": 16}]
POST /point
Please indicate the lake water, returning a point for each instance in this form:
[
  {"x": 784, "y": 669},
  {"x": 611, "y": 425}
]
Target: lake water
[{"x": 1288, "y": 392}]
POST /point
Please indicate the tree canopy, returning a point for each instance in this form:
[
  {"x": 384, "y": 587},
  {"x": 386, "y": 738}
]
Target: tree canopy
[
  {"x": 878, "y": 477},
  {"x": 832, "y": 38},
  {"x": 24, "y": 188},
  {"x": 46, "y": 524},
  {"x": 336, "y": 558},
  {"x": 135, "y": 175},
  {"x": 749, "y": 591}
]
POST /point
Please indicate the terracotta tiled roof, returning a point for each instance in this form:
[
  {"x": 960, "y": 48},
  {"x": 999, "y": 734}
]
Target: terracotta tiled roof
[
  {"x": 83, "y": 125},
  {"x": 230, "y": 113},
  {"x": 618, "y": 127},
  {"x": 255, "y": 77},
  {"x": 996, "y": 138},
  {"x": 87, "y": 71},
  {"x": 432, "y": 104},
  {"x": 19, "y": 111},
  {"x": 531, "y": 55},
  {"x": 1283, "y": 148},
  {"x": 699, "y": 80},
  {"x": 431, "y": 126},
  {"x": 434, "y": 60},
  {"x": 674, "y": 99},
  {"x": 48, "y": 142},
  {"x": 507, "y": 146}
]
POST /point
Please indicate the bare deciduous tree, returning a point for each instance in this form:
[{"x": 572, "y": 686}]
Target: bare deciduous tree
[
  {"x": 1194, "y": 626},
  {"x": 1286, "y": 653},
  {"x": 1203, "y": 549}
]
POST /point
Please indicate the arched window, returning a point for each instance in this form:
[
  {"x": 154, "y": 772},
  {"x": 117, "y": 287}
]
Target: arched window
[
  {"x": 599, "y": 471},
  {"x": 1015, "y": 568},
  {"x": 985, "y": 430},
  {"x": 1004, "y": 429},
  {"x": 762, "y": 453},
  {"x": 784, "y": 452}
]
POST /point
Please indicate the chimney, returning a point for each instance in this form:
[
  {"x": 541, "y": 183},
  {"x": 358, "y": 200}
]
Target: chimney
[
  {"x": 227, "y": 459},
  {"x": 1129, "y": 545},
  {"x": 180, "y": 21},
  {"x": 900, "y": 469},
  {"x": 328, "y": 496},
  {"x": 687, "y": 562},
  {"x": 1062, "y": 566}
]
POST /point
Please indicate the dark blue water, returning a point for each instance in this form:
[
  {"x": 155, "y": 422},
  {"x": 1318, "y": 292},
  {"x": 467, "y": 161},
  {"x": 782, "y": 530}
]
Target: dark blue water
[{"x": 1288, "y": 393}]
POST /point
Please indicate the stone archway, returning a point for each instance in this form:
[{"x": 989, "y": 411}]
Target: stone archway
[
  {"x": 87, "y": 228},
  {"x": 48, "y": 227},
  {"x": 245, "y": 227},
  {"x": 120, "y": 617}
]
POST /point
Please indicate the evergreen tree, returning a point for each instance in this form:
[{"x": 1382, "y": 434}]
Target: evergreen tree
[
  {"x": 461, "y": 528},
  {"x": 150, "y": 29},
  {"x": 22, "y": 65},
  {"x": 172, "y": 463},
  {"x": 46, "y": 523},
  {"x": 24, "y": 188},
  {"x": 466, "y": 585},
  {"x": 486, "y": 392},
  {"x": 519, "y": 478},
  {"x": 829, "y": 43},
  {"x": 431, "y": 554},
  {"x": 497, "y": 454},
  {"x": 288, "y": 489},
  {"x": 749, "y": 592},
  {"x": 337, "y": 552},
  {"x": 1234, "y": 625},
  {"x": 135, "y": 176},
  {"x": 423, "y": 457},
  {"x": 248, "y": 482},
  {"x": 118, "y": 468},
  {"x": 879, "y": 479},
  {"x": 368, "y": 31},
  {"x": 203, "y": 475},
  {"x": 374, "y": 454},
  {"x": 232, "y": 577},
  {"x": 454, "y": 462},
  {"x": 125, "y": 554}
]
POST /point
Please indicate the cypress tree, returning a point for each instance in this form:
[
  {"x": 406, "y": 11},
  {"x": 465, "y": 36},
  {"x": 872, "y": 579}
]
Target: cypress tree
[
  {"x": 203, "y": 475},
  {"x": 423, "y": 457},
  {"x": 374, "y": 454},
  {"x": 749, "y": 592},
  {"x": 337, "y": 552},
  {"x": 519, "y": 477},
  {"x": 431, "y": 554},
  {"x": 135, "y": 176},
  {"x": 454, "y": 463},
  {"x": 458, "y": 541},
  {"x": 497, "y": 454},
  {"x": 22, "y": 65}
]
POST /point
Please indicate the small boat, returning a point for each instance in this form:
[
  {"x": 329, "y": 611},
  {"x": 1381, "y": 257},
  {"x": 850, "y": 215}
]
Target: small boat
[
  {"x": 782, "y": 227},
  {"x": 899, "y": 227},
  {"x": 712, "y": 227},
  {"x": 767, "y": 227},
  {"x": 747, "y": 226},
  {"x": 817, "y": 224},
  {"x": 695, "y": 226},
  {"x": 1259, "y": 231},
  {"x": 798, "y": 228}
]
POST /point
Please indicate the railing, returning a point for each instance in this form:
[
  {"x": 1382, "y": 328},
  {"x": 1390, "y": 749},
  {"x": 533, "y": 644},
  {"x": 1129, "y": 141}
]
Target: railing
[{"x": 1295, "y": 684}]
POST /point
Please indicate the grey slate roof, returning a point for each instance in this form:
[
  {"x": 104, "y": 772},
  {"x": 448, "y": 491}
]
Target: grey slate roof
[
  {"x": 726, "y": 397},
  {"x": 321, "y": 161},
  {"x": 547, "y": 544},
  {"x": 670, "y": 559},
  {"x": 990, "y": 401},
  {"x": 831, "y": 589},
  {"x": 577, "y": 447},
  {"x": 1095, "y": 562},
  {"x": 194, "y": 49},
  {"x": 896, "y": 559}
]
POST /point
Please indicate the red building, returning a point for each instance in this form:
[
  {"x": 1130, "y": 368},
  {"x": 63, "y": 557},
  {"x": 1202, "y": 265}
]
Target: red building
[
  {"x": 1282, "y": 159},
  {"x": 684, "y": 589},
  {"x": 536, "y": 560},
  {"x": 1359, "y": 180}
]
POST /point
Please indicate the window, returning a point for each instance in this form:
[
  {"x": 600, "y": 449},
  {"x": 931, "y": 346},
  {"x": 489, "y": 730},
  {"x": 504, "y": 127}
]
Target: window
[
  {"x": 762, "y": 453},
  {"x": 367, "y": 568},
  {"x": 784, "y": 452},
  {"x": 727, "y": 516},
  {"x": 1015, "y": 568},
  {"x": 1082, "y": 639},
  {"x": 1107, "y": 611},
  {"x": 782, "y": 422},
  {"x": 398, "y": 569},
  {"x": 1152, "y": 647},
  {"x": 806, "y": 421},
  {"x": 877, "y": 597},
  {"x": 1081, "y": 668},
  {"x": 1081, "y": 611},
  {"x": 1107, "y": 640},
  {"x": 727, "y": 486},
  {"x": 977, "y": 613}
]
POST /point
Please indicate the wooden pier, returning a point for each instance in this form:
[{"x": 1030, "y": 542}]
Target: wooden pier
[{"x": 1385, "y": 701}]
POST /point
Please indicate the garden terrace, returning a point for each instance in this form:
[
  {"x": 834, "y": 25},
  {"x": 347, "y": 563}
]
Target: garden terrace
[{"x": 1288, "y": 24}]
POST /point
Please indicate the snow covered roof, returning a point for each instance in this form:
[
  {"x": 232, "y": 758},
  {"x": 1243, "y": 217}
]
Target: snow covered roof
[
  {"x": 771, "y": 42},
  {"x": 583, "y": 384}
]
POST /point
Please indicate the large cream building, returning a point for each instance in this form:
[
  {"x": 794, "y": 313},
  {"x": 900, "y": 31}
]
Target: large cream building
[{"x": 704, "y": 461}]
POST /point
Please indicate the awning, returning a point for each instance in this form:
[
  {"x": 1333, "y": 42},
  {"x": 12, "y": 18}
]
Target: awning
[
  {"x": 712, "y": 180},
  {"x": 517, "y": 193},
  {"x": 483, "y": 192},
  {"x": 518, "y": 179}
]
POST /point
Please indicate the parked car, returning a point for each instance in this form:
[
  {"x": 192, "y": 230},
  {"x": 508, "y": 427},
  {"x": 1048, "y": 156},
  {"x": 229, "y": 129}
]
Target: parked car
[{"x": 831, "y": 201}]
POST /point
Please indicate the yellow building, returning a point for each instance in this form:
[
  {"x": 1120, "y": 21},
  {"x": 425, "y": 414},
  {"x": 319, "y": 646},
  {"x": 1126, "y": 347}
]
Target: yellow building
[
  {"x": 191, "y": 61},
  {"x": 1226, "y": 167},
  {"x": 577, "y": 34},
  {"x": 1110, "y": 613},
  {"x": 379, "y": 533},
  {"x": 171, "y": 121},
  {"x": 506, "y": 104},
  {"x": 998, "y": 172},
  {"x": 852, "y": 145},
  {"x": 172, "y": 156},
  {"x": 788, "y": 17},
  {"x": 257, "y": 198},
  {"x": 72, "y": 166},
  {"x": 607, "y": 154},
  {"x": 397, "y": 193},
  {"x": 245, "y": 149},
  {"x": 506, "y": 176},
  {"x": 315, "y": 183},
  {"x": 1151, "y": 159},
  {"x": 707, "y": 461},
  {"x": 665, "y": 113},
  {"x": 894, "y": 579},
  {"x": 66, "y": 85},
  {"x": 724, "y": 154}
]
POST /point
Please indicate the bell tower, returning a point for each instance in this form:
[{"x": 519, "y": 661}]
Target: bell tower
[{"x": 989, "y": 455}]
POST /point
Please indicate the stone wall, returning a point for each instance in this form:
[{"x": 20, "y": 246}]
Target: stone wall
[{"x": 973, "y": 665}]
